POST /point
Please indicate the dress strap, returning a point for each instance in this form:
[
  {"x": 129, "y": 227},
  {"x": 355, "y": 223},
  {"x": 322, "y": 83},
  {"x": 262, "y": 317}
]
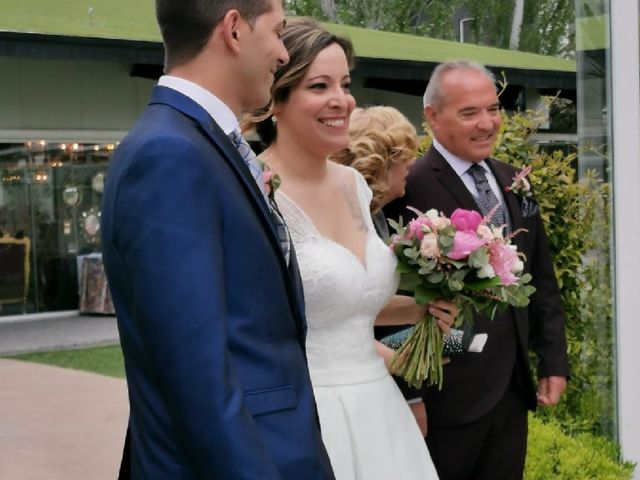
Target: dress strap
[
  {"x": 364, "y": 198},
  {"x": 300, "y": 226}
]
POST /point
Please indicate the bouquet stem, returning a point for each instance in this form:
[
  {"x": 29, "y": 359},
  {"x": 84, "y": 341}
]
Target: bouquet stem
[{"x": 419, "y": 359}]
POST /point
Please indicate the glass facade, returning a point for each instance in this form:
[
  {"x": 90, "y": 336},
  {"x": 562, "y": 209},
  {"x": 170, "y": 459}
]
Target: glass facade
[
  {"x": 623, "y": 103},
  {"x": 50, "y": 196},
  {"x": 593, "y": 350},
  {"x": 608, "y": 75}
]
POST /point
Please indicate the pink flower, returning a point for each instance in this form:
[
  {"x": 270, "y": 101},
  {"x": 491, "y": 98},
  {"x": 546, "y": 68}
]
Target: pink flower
[
  {"x": 415, "y": 228},
  {"x": 266, "y": 178},
  {"x": 504, "y": 260},
  {"x": 466, "y": 220},
  {"x": 520, "y": 185},
  {"x": 395, "y": 238},
  {"x": 464, "y": 243}
]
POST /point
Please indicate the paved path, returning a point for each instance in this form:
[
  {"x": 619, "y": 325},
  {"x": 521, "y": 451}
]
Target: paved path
[
  {"x": 55, "y": 423},
  {"x": 59, "y": 424}
]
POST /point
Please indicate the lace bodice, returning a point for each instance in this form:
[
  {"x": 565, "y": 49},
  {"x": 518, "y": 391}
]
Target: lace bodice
[{"x": 342, "y": 296}]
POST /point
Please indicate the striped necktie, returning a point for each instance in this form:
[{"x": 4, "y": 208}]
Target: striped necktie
[
  {"x": 486, "y": 199},
  {"x": 255, "y": 167}
]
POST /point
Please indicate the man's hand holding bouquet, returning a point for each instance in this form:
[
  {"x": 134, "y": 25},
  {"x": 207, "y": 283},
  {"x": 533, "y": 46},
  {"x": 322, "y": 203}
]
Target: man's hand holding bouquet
[{"x": 461, "y": 258}]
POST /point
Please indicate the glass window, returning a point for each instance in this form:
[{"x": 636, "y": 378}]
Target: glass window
[{"x": 50, "y": 195}]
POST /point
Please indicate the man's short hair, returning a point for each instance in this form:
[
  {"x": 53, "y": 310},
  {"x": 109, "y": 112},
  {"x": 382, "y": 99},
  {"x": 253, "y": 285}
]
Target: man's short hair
[
  {"x": 433, "y": 94},
  {"x": 187, "y": 25}
]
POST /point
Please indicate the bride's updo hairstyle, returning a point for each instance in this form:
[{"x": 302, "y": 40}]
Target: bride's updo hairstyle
[
  {"x": 304, "y": 39},
  {"x": 379, "y": 137}
]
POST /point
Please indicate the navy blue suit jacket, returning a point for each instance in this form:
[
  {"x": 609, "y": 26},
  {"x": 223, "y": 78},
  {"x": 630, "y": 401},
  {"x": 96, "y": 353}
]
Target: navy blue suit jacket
[{"x": 211, "y": 319}]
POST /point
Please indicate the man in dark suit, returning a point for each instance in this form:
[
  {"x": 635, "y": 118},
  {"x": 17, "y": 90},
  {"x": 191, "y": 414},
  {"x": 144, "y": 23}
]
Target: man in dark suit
[
  {"x": 205, "y": 285},
  {"x": 478, "y": 421}
]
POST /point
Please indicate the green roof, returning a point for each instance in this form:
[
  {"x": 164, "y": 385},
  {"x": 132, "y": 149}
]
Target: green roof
[
  {"x": 118, "y": 19},
  {"x": 135, "y": 20},
  {"x": 377, "y": 44}
]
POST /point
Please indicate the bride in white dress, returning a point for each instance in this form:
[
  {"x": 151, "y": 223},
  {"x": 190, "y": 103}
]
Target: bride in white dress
[{"x": 348, "y": 273}]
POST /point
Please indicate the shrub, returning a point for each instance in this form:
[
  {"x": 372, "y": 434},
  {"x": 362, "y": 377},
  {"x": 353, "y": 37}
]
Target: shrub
[
  {"x": 553, "y": 455},
  {"x": 576, "y": 214}
]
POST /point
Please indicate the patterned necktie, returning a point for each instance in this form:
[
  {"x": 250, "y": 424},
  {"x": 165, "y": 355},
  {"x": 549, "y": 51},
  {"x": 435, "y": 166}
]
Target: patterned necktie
[
  {"x": 255, "y": 167},
  {"x": 486, "y": 199}
]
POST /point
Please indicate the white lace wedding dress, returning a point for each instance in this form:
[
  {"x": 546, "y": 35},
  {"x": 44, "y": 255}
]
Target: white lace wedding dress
[{"x": 366, "y": 424}]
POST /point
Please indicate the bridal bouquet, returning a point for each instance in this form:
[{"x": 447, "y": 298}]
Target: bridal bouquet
[{"x": 460, "y": 258}]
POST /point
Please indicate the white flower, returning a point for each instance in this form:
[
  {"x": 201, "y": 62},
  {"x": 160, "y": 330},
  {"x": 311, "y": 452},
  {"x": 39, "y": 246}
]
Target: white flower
[
  {"x": 432, "y": 214},
  {"x": 486, "y": 272},
  {"x": 440, "y": 222},
  {"x": 485, "y": 232},
  {"x": 518, "y": 266},
  {"x": 497, "y": 233},
  {"x": 429, "y": 246}
]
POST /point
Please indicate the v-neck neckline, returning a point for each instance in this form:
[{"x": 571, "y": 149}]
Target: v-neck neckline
[{"x": 307, "y": 219}]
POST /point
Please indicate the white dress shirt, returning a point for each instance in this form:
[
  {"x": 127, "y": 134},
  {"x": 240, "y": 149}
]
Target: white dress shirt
[
  {"x": 461, "y": 167},
  {"x": 219, "y": 111}
]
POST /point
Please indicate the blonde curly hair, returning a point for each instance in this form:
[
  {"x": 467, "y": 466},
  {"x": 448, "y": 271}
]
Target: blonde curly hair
[{"x": 378, "y": 137}]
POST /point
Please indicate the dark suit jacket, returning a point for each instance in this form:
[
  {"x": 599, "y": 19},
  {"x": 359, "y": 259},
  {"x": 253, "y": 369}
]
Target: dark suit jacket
[
  {"x": 211, "y": 321},
  {"x": 474, "y": 383}
]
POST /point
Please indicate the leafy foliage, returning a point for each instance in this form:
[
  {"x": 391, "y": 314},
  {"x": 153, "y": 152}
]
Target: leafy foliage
[
  {"x": 420, "y": 17},
  {"x": 553, "y": 454},
  {"x": 546, "y": 27},
  {"x": 576, "y": 213}
]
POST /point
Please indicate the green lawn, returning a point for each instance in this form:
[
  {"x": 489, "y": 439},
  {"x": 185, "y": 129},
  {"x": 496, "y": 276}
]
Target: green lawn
[{"x": 102, "y": 360}]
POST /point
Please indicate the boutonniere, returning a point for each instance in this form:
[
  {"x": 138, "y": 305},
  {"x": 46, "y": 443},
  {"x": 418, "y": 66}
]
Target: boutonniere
[
  {"x": 520, "y": 186},
  {"x": 271, "y": 181}
]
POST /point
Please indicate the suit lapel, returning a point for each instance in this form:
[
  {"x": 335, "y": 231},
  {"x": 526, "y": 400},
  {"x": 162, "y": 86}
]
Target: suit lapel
[
  {"x": 450, "y": 180},
  {"x": 504, "y": 177},
  {"x": 463, "y": 198},
  {"x": 183, "y": 104},
  {"x": 222, "y": 143},
  {"x": 296, "y": 284}
]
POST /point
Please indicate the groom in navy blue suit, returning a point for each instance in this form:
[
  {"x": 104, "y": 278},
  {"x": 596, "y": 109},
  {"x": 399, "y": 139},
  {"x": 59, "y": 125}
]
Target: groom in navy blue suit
[{"x": 209, "y": 305}]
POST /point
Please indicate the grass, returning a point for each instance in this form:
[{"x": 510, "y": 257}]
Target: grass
[
  {"x": 101, "y": 360},
  {"x": 123, "y": 19}
]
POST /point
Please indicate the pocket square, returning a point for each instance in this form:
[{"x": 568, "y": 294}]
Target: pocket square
[
  {"x": 453, "y": 345},
  {"x": 529, "y": 207}
]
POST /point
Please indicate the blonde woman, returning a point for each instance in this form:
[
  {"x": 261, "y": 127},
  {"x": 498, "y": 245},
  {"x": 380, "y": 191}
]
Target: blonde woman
[{"x": 383, "y": 145}]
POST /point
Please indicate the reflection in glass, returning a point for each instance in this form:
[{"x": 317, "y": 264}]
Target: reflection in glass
[{"x": 71, "y": 196}]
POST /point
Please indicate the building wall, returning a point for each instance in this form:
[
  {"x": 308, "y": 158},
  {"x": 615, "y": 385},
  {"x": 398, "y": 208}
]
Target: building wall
[
  {"x": 61, "y": 118},
  {"x": 40, "y": 94},
  {"x": 77, "y": 95}
]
